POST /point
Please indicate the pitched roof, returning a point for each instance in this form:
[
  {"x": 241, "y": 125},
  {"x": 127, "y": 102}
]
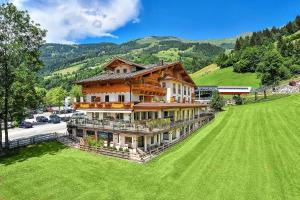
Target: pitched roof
[
  {"x": 123, "y": 76},
  {"x": 124, "y": 61}
]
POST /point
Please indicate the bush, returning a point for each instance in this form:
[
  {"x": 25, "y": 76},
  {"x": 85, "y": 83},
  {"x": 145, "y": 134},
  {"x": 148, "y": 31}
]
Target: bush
[
  {"x": 295, "y": 69},
  {"x": 217, "y": 102},
  {"x": 238, "y": 100},
  {"x": 120, "y": 149}
]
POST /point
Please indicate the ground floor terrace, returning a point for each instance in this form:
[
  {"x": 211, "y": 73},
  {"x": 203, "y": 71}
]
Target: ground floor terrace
[{"x": 136, "y": 137}]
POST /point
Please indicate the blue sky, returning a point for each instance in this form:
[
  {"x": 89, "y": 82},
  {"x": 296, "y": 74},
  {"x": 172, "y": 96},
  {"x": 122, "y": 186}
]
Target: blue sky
[{"x": 81, "y": 21}]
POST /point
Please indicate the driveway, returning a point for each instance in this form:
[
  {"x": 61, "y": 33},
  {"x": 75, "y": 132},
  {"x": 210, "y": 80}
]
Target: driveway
[{"x": 16, "y": 133}]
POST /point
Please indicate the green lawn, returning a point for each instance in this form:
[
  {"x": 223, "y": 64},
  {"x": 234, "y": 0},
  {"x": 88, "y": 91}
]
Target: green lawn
[
  {"x": 248, "y": 152},
  {"x": 227, "y": 77}
]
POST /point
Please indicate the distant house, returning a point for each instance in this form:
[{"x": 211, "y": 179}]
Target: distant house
[{"x": 139, "y": 106}]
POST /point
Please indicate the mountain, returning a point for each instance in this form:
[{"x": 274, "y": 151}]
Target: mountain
[{"x": 148, "y": 49}]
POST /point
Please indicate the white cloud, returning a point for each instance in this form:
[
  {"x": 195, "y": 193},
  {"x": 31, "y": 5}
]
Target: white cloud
[{"x": 70, "y": 20}]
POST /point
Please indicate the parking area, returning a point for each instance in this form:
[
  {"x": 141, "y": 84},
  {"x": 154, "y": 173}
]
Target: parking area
[{"x": 15, "y": 133}]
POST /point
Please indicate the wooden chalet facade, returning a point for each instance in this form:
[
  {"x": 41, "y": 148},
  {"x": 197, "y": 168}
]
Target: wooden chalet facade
[{"x": 138, "y": 107}]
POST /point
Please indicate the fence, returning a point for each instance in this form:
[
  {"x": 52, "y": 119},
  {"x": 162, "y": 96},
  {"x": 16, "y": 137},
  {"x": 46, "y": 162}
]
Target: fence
[
  {"x": 108, "y": 152},
  {"x": 22, "y": 142}
]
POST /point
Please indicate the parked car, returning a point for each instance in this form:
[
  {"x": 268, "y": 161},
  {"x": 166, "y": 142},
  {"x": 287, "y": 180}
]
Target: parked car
[
  {"x": 77, "y": 115},
  {"x": 50, "y": 109},
  {"x": 39, "y": 111},
  {"x": 55, "y": 112},
  {"x": 55, "y": 119},
  {"x": 25, "y": 125},
  {"x": 41, "y": 119},
  {"x": 30, "y": 116}
]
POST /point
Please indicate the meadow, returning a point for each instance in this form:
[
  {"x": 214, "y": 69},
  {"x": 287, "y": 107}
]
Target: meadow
[
  {"x": 246, "y": 152},
  {"x": 224, "y": 77}
]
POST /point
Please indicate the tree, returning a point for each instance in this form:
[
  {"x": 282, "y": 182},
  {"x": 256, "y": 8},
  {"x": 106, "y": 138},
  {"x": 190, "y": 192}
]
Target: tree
[
  {"x": 269, "y": 68},
  {"x": 217, "y": 102},
  {"x": 56, "y": 96},
  {"x": 20, "y": 40},
  {"x": 76, "y": 92},
  {"x": 248, "y": 61}
]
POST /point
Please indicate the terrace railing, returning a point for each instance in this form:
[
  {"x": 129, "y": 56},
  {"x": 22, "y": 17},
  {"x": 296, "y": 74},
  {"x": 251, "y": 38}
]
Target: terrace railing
[{"x": 139, "y": 126}]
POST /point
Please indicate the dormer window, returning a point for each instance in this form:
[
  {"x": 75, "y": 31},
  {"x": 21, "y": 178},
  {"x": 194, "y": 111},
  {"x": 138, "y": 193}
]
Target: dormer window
[{"x": 124, "y": 70}]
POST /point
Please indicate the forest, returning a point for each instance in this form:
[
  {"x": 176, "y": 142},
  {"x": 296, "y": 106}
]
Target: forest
[{"x": 273, "y": 53}]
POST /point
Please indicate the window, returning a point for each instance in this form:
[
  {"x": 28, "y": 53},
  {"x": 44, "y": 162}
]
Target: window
[
  {"x": 90, "y": 133},
  {"x": 163, "y": 85},
  {"x": 179, "y": 89},
  {"x": 124, "y": 70},
  {"x": 93, "y": 98},
  {"x": 174, "y": 88},
  {"x": 166, "y": 136},
  {"x": 106, "y": 98},
  {"x": 143, "y": 115},
  {"x": 188, "y": 91},
  {"x": 95, "y": 115},
  {"x": 121, "y": 98},
  {"x": 117, "y": 71},
  {"x": 184, "y": 90},
  {"x": 120, "y": 116},
  {"x": 128, "y": 140},
  {"x": 141, "y": 98},
  {"x": 155, "y": 115},
  {"x": 152, "y": 140},
  {"x": 79, "y": 132},
  {"x": 137, "y": 116}
]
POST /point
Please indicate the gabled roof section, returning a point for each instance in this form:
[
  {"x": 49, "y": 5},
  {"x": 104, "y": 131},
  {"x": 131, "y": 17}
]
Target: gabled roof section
[
  {"x": 108, "y": 76},
  {"x": 117, "y": 60}
]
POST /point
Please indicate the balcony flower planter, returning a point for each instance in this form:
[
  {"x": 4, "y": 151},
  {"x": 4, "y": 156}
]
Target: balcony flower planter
[
  {"x": 108, "y": 105},
  {"x": 99, "y": 105},
  {"x": 127, "y": 105}
]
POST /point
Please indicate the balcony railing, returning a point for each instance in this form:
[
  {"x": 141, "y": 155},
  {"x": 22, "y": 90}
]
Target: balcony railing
[
  {"x": 149, "y": 88},
  {"x": 139, "y": 127},
  {"x": 103, "y": 105}
]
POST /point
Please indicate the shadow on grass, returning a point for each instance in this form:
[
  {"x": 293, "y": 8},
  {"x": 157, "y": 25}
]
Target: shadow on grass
[{"x": 36, "y": 150}]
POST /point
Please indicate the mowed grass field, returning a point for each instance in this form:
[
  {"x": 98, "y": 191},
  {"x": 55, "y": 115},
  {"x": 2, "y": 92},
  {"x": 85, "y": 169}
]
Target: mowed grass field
[
  {"x": 248, "y": 152},
  {"x": 226, "y": 77}
]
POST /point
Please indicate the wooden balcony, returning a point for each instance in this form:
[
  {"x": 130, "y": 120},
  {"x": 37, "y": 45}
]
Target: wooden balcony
[
  {"x": 149, "y": 89},
  {"x": 103, "y": 105}
]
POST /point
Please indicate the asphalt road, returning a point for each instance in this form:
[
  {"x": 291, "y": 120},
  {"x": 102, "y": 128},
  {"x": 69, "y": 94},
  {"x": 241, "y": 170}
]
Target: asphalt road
[{"x": 16, "y": 133}]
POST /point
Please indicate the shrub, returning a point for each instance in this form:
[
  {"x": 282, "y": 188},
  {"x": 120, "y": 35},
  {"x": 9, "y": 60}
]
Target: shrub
[
  {"x": 217, "y": 102},
  {"x": 120, "y": 149},
  {"x": 238, "y": 100}
]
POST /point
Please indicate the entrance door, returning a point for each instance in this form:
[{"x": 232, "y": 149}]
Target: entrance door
[{"x": 141, "y": 141}]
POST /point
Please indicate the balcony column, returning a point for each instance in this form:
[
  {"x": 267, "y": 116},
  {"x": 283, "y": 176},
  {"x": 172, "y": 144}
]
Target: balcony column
[
  {"x": 158, "y": 136},
  {"x": 145, "y": 143}
]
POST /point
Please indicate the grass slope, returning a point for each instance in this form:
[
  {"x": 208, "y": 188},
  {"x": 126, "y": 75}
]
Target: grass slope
[
  {"x": 226, "y": 76},
  {"x": 204, "y": 71},
  {"x": 247, "y": 152}
]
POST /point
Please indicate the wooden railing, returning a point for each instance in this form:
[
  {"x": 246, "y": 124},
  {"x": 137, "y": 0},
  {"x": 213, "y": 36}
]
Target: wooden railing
[
  {"x": 103, "y": 105},
  {"x": 22, "y": 142}
]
